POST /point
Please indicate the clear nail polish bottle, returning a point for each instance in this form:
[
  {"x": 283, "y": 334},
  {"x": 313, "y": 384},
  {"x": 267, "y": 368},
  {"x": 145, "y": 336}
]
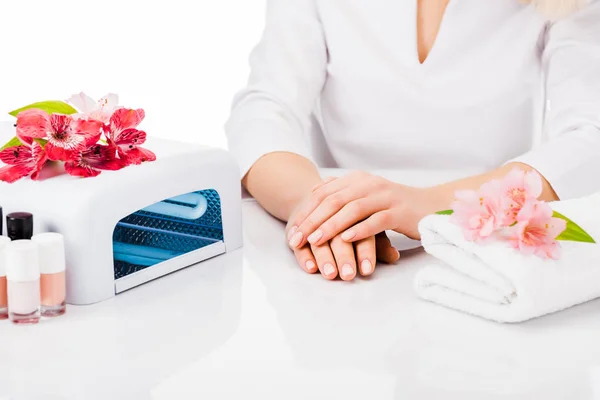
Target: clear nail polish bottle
[
  {"x": 51, "y": 247},
  {"x": 23, "y": 281},
  {"x": 3, "y": 287}
]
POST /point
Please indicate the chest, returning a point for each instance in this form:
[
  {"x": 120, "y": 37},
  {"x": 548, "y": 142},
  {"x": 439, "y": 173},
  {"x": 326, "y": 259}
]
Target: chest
[
  {"x": 424, "y": 44},
  {"x": 430, "y": 14}
]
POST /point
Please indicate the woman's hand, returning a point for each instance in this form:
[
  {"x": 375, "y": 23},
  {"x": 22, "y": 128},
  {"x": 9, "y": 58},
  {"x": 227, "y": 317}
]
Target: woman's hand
[
  {"x": 359, "y": 206},
  {"x": 346, "y": 260},
  {"x": 337, "y": 257}
]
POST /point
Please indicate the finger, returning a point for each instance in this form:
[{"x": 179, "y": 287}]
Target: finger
[
  {"x": 351, "y": 214},
  {"x": 318, "y": 196},
  {"x": 376, "y": 223},
  {"x": 385, "y": 251},
  {"x": 325, "y": 261},
  {"x": 290, "y": 232},
  {"x": 307, "y": 229},
  {"x": 338, "y": 212},
  {"x": 344, "y": 258},
  {"x": 325, "y": 182},
  {"x": 306, "y": 259},
  {"x": 366, "y": 255}
]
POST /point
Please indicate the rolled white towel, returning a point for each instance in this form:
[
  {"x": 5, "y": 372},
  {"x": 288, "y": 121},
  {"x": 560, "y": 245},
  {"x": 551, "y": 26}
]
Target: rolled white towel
[{"x": 499, "y": 283}]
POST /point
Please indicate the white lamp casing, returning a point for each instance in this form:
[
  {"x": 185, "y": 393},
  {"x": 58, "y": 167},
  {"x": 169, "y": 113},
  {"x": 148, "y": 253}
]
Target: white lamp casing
[{"x": 86, "y": 211}]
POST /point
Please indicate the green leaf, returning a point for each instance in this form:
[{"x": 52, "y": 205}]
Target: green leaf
[
  {"x": 445, "y": 212},
  {"x": 573, "y": 233},
  {"x": 12, "y": 143},
  {"x": 51, "y": 107},
  {"x": 41, "y": 142}
]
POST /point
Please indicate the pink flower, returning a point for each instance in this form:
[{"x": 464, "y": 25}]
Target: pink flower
[
  {"x": 89, "y": 109},
  {"x": 22, "y": 161},
  {"x": 123, "y": 135},
  {"x": 479, "y": 214},
  {"x": 518, "y": 188},
  {"x": 536, "y": 230},
  {"x": 64, "y": 134},
  {"x": 91, "y": 161}
]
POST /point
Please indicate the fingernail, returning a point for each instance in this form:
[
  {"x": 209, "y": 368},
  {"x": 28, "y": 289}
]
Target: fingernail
[
  {"x": 347, "y": 271},
  {"x": 310, "y": 266},
  {"x": 291, "y": 232},
  {"x": 329, "y": 269},
  {"x": 296, "y": 239},
  {"x": 348, "y": 235},
  {"x": 314, "y": 238},
  {"x": 366, "y": 267}
]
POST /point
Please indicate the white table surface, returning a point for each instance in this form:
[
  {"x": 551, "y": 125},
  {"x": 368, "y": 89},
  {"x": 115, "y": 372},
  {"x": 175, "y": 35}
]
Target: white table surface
[{"x": 252, "y": 325}]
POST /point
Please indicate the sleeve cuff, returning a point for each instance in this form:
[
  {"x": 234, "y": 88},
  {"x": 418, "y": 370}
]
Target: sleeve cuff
[
  {"x": 570, "y": 162},
  {"x": 258, "y": 138}
]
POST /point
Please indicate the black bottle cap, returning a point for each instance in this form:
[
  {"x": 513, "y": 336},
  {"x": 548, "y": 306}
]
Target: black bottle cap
[{"x": 19, "y": 225}]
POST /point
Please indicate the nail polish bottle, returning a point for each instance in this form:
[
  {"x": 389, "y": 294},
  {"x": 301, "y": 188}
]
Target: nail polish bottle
[
  {"x": 51, "y": 248},
  {"x": 19, "y": 225},
  {"x": 3, "y": 294},
  {"x": 23, "y": 276}
]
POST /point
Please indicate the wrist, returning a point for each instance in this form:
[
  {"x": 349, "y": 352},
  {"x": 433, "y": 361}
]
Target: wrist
[{"x": 439, "y": 197}]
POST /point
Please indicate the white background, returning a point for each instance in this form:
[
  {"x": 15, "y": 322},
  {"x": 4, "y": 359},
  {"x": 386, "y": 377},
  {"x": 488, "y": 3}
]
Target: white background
[{"x": 182, "y": 61}]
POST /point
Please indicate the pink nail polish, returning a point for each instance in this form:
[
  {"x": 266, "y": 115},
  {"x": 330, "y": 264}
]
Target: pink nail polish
[
  {"x": 296, "y": 239},
  {"x": 23, "y": 275},
  {"x": 3, "y": 287},
  {"x": 314, "y": 238},
  {"x": 291, "y": 232},
  {"x": 310, "y": 266},
  {"x": 348, "y": 235},
  {"x": 347, "y": 271},
  {"x": 329, "y": 270},
  {"x": 366, "y": 267},
  {"x": 51, "y": 248}
]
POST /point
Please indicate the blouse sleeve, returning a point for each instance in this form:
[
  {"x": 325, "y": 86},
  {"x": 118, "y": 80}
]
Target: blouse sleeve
[
  {"x": 288, "y": 69},
  {"x": 569, "y": 158}
]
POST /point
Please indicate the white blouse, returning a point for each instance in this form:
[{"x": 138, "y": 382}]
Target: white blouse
[{"x": 501, "y": 84}]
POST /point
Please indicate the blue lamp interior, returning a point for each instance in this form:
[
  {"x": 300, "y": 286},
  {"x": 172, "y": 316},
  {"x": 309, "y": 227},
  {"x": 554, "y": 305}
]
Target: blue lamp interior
[{"x": 165, "y": 230}]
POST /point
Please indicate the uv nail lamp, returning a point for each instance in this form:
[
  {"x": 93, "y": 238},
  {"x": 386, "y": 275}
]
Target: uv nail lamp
[{"x": 128, "y": 227}]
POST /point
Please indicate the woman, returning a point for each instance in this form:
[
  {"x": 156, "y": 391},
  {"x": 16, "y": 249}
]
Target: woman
[{"x": 420, "y": 84}]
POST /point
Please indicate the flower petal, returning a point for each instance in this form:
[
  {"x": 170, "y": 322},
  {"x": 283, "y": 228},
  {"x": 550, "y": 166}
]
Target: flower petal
[
  {"x": 109, "y": 102},
  {"x": 90, "y": 129},
  {"x": 74, "y": 169},
  {"x": 130, "y": 138},
  {"x": 487, "y": 228},
  {"x": 556, "y": 227},
  {"x": 59, "y": 153},
  {"x": 12, "y": 173},
  {"x": 533, "y": 184},
  {"x": 32, "y": 123},
  {"x": 527, "y": 212},
  {"x": 137, "y": 156},
  {"x": 83, "y": 102},
  {"x": 101, "y": 157},
  {"x": 124, "y": 118},
  {"x": 16, "y": 155},
  {"x": 39, "y": 159},
  {"x": 61, "y": 124},
  {"x": 466, "y": 195}
]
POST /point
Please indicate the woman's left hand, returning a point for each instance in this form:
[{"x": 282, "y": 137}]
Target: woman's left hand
[{"x": 361, "y": 205}]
